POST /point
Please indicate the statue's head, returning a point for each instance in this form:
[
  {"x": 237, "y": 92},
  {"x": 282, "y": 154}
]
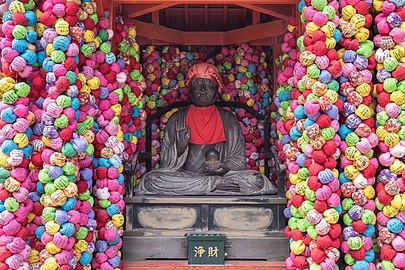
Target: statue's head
[{"x": 205, "y": 84}]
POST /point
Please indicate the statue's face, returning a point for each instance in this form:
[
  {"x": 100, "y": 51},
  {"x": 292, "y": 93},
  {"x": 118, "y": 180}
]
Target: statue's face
[{"x": 203, "y": 92}]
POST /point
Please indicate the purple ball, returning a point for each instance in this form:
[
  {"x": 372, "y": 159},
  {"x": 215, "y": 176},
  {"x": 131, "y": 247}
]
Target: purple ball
[
  {"x": 101, "y": 246},
  {"x": 54, "y": 172},
  {"x": 349, "y": 232},
  {"x": 349, "y": 56},
  {"x": 356, "y": 212},
  {"x": 348, "y": 109},
  {"x": 353, "y": 121},
  {"x": 287, "y": 213}
]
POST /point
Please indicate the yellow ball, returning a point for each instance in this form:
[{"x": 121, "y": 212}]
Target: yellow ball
[
  {"x": 118, "y": 220},
  {"x": 52, "y": 248},
  {"x": 52, "y": 227}
]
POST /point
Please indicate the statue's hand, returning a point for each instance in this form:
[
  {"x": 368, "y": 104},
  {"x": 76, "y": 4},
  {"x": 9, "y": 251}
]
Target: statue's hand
[
  {"x": 182, "y": 140},
  {"x": 216, "y": 168},
  {"x": 228, "y": 186}
]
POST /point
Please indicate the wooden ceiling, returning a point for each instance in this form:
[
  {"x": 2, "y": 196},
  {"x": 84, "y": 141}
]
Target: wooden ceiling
[
  {"x": 202, "y": 17},
  {"x": 207, "y": 22}
]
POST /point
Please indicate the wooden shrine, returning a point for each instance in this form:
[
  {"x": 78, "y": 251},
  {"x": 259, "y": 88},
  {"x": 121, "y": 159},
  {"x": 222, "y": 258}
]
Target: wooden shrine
[{"x": 156, "y": 226}]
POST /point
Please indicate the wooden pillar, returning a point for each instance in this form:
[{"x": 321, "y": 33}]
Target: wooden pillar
[{"x": 112, "y": 14}]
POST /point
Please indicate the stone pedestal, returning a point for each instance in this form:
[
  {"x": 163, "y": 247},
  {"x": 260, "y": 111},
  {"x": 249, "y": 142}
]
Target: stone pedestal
[{"x": 156, "y": 226}]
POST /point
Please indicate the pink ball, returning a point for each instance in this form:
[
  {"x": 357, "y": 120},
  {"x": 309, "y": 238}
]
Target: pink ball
[{"x": 320, "y": 18}]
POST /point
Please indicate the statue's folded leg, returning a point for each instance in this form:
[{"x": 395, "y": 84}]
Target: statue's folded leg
[
  {"x": 251, "y": 182},
  {"x": 176, "y": 183}
]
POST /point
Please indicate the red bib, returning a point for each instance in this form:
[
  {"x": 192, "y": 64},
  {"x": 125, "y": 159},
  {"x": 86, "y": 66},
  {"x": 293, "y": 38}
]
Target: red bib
[{"x": 205, "y": 124}]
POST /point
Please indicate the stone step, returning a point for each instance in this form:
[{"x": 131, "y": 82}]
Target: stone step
[{"x": 183, "y": 265}]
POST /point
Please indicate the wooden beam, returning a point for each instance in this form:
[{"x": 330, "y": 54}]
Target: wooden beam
[
  {"x": 158, "y": 33},
  {"x": 256, "y": 17},
  {"x": 263, "y": 30},
  {"x": 299, "y": 24},
  {"x": 142, "y": 9},
  {"x": 279, "y": 11},
  {"x": 262, "y": 42},
  {"x": 113, "y": 13},
  {"x": 190, "y": 2},
  {"x": 100, "y": 8}
]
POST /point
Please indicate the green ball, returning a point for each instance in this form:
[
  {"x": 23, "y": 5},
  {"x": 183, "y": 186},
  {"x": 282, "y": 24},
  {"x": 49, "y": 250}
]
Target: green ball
[
  {"x": 382, "y": 117},
  {"x": 104, "y": 203},
  {"x": 69, "y": 168},
  {"x": 349, "y": 259},
  {"x": 303, "y": 224},
  {"x": 63, "y": 101},
  {"x": 300, "y": 43},
  {"x": 352, "y": 139},
  {"x": 48, "y": 213},
  {"x": 379, "y": 205},
  {"x": 81, "y": 128},
  {"x": 90, "y": 150},
  {"x": 368, "y": 217},
  {"x": 19, "y": 32},
  {"x": 312, "y": 232},
  {"x": 72, "y": 77},
  {"x": 10, "y": 97},
  {"x": 4, "y": 174},
  {"x": 49, "y": 189},
  {"x": 333, "y": 85},
  {"x": 103, "y": 34},
  {"x": 310, "y": 194},
  {"x": 11, "y": 204},
  {"x": 294, "y": 211},
  {"x": 347, "y": 204},
  {"x": 61, "y": 182},
  {"x": 123, "y": 46},
  {"x": 390, "y": 64},
  {"x": 43, "y": 176},
  {"x": 319, "y": 4},
  {"x": 347, "y": 220},
  {"x": 86, "y": 50},
  {"x": 29, "y": 5},
  {"x": 292, "y": 223},
  {"x": 61, "y": 122},
  {"x": 387, "y": 265},
  {"x": 329, "y": 11},
  {"x": 81, "y": 233},
  {"x": 315, "y": 266},
  {"x": 22, "y": 89},
  {"x": 105, "y": 47},
  {"x": 328, "y": 133},
  {"x": 401, "y": 133},
  {"x": 401, "y": 117},
  {"x": 390, "y": 85},
  {"x": 58, "y": 56},
  {"x": 313, "y": 71},
  {"x": 68, "y": 150},
  {"x": 84, "y": 196},
  {"x": 369, "y": 154},
  {"x": 303, "y": 173},
  {"x": 354, "y": 243}
]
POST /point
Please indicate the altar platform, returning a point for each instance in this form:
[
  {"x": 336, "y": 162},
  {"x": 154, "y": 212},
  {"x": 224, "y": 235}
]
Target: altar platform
[
  {"x": 182, "y": 265},
  {"x": 253, "y": 226}
]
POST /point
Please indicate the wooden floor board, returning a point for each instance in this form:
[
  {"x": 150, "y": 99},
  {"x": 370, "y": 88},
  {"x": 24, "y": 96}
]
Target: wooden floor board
[{"x": 182, "y": 265}]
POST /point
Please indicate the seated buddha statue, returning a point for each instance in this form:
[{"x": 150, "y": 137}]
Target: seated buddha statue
[{"x": 203, "y": 149}]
